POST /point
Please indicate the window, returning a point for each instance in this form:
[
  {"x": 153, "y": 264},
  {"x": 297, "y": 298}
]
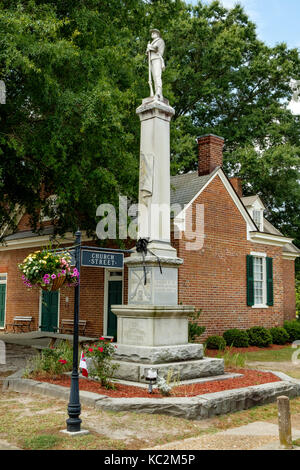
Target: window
[
  {"x": 258, "y": 219},
  {"x": 259, "y": 280},
  {"x": 52, "y": 206}
]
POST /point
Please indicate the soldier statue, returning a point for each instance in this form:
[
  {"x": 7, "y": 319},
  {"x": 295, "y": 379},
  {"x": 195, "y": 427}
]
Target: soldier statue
[{"x": 155, "y": 51}]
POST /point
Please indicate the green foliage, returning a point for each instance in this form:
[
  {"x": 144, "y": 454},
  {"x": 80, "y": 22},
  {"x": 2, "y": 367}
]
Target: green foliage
[
  {"x": 232, "y": 360},
  {"x": 51, "y": 361},
  {"x": 41, "y": 442},
  {"x": 279, "y": 335},
  {"x": 215, "y": 342},
  {"x": 195, "y": 330},
  {"x": 236, "y": 338},
  {"x": 101, "y": 367},
  {"x": 259, "y": 336},
  {"x": 293, "y": 330},
  {"x": 75, "y": 73}
]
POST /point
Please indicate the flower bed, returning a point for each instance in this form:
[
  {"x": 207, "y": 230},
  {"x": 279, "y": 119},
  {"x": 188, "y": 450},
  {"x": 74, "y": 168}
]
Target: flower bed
[{"x": 249, "y": 378}]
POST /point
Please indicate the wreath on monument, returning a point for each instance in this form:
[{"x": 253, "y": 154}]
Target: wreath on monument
[{"x": 48, "y": 269}]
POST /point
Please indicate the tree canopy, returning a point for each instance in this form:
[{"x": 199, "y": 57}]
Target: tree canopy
[{"x": 76, "y": 70}]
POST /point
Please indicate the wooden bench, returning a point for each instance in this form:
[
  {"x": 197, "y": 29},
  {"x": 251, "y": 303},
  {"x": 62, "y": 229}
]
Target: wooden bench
[
  {"x": 67, "y": 326},
  {"x": 21, "y": 321}
]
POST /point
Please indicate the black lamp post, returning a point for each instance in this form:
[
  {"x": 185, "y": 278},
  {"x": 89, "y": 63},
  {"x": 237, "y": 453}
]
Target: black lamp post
[{"x": 74, "y": 407}]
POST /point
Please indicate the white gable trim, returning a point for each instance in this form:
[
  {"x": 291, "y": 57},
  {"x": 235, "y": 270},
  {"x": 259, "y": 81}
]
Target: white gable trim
[
  {"x": 39, "y": 241},
  {"x": 269, "y": 239}
]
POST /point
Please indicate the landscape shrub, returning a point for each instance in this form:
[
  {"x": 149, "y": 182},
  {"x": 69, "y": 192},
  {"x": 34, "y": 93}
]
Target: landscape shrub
[
  {"x": 216, "y": 342},
  {"x": 51, "y": 361},
  {"x": 279, "y": 335},
  {"x": 195, "y": 330},
  {"x": 100, "y": 366},
  {"x": 259, "y": 336},
  {"x": 292, "y": 328},
  {"x": 236, "y": 338}
]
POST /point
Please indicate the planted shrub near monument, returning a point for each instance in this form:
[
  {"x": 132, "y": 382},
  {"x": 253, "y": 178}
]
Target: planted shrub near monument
[
  {"x": 236, "y": 338},
  {"x": 259, "y": 336},
  {"x": 51, "y": 362},
  {"x": 293, "y": 330},
  {"x": 215, "y": 342},
  {"x": 279, "y": 335},
  {"x": 195, "y": 330},
  {"x": 101, "y": 368}
]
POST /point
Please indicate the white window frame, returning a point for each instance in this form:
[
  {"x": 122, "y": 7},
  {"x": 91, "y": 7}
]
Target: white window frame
[
  {"x": 4, "y": 281},
  {"x": 263, "y": 256},
  {"x": 107, "y": 278},
  {"x": 260, "y": 223}
]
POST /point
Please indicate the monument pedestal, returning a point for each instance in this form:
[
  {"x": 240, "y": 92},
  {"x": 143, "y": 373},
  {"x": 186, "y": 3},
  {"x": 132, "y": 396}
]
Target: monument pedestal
[{"x": 153, "y": 328}]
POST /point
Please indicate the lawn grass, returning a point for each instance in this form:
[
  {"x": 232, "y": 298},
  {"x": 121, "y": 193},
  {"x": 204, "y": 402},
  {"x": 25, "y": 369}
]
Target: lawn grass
[
  {"x": 277, "y": 355},
  {"x": 34, "y": 423},
  {"x": 263, "y": 355}
]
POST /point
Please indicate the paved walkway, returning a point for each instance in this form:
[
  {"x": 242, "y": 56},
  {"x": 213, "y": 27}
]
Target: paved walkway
[
  {"x": 4, "y": 445},
  {"x": 17, "y": 348},
  {"x": 254, "y": 436}
]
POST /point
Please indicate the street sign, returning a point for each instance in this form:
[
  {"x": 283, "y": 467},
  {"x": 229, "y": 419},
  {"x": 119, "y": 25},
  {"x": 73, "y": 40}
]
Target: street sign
[{"x": 102, "y": 259}]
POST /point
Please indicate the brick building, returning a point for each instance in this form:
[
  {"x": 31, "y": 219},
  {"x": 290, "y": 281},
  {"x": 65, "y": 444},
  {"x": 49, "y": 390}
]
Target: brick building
[{"x": 240, "y": 272}]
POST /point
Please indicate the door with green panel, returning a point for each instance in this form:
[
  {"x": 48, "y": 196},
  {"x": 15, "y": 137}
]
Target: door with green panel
[
  {"x": 2, "y": 304},
  {"x": 49, "y": 316},
  {"x": 114, "y": 298}
]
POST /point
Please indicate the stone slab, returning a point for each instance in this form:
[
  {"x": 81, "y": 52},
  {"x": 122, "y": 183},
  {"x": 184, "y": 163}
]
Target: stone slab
[
  {"x": 197, "y": 408},
  {"x": 152, "y": 325},
  {"x": 158, "y": 354},
  {"x": 184, "y": 370}
]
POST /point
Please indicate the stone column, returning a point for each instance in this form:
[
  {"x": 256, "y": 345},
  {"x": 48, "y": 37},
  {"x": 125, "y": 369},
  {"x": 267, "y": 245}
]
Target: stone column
[{"x": 154, "y": 184}]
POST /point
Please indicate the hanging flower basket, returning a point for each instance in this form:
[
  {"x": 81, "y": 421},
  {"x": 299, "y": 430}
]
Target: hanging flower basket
[
  {"x": 56, "y": 284},
  {"x": 49, "y": 270}
]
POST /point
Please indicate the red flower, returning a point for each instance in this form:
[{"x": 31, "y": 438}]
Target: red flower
[
  {"x": 91, "y": 349},
  {"x": 62, "y": 361},
  {"x": 101, "y": 339},
  {"x": 100, "y": 349}
]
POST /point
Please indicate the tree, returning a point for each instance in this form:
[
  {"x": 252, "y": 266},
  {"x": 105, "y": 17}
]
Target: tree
[{"x": 76, "y": 71}]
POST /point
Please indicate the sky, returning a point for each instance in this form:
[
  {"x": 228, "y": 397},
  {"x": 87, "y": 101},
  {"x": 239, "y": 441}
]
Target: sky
[{"x": 276, "y": 21}]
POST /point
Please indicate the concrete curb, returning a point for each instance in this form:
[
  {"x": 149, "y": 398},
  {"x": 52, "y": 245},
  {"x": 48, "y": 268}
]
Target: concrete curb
[{"x": 197, "y": 408}]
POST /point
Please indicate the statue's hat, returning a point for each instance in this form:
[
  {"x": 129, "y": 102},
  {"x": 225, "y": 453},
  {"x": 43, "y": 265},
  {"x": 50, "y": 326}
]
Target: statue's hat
[{"x": 155, "y": 31}]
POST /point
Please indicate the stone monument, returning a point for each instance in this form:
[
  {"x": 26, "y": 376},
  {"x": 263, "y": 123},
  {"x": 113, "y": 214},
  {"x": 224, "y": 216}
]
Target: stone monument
[{"x": 153, "y": 328}]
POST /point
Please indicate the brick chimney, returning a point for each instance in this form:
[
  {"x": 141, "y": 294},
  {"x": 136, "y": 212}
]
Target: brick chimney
[
  {"x": 210, "y": 153},
  {"x": 237, "y": 184}
]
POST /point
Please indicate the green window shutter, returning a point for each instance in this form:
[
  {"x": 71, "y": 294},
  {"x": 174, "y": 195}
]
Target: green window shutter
[
  {"x": 270, "y": 295},
  {"x": 250, "y": 281}
]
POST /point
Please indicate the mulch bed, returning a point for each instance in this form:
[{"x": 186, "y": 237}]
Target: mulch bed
[
  {"x": 250, "y": 377},
  {"x": 273, "y": 347}
]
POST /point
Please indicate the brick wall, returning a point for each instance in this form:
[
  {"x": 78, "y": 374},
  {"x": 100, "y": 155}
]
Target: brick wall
[
  {"x": 289, "y": 299},
  {"x": 214, "y": 278},
  {"x": 24, "y": 301}
]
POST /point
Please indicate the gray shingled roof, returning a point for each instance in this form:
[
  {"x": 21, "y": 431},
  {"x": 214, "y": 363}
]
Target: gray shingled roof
[
  {"x": 291, "y": 248},
  {"x": 249, "y": 200},
  {"x": 185, "y": 187},
  {"x": 269, "y": 228},
  {"x": 29, "y": 234}
]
